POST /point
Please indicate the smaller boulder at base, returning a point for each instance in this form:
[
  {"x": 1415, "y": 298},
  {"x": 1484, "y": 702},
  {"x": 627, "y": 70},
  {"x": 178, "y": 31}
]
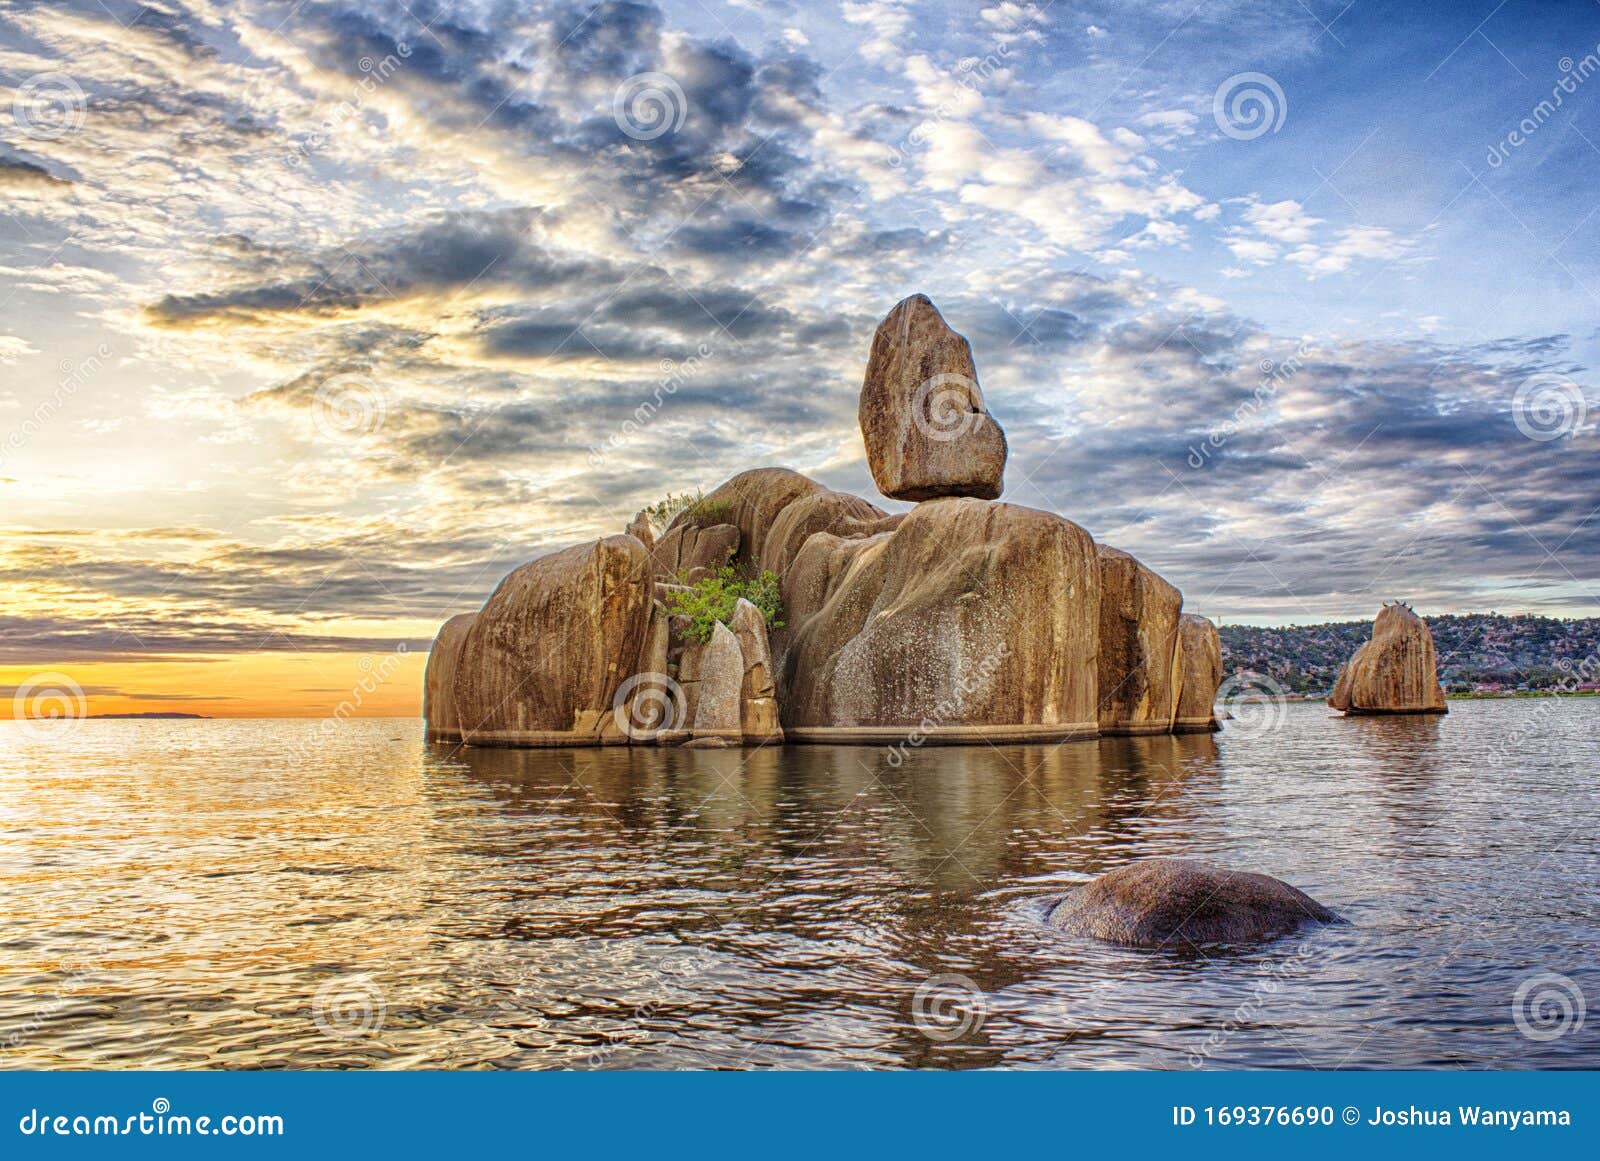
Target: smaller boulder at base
[
  {"x": 721, "y": 677},
  {"x": 1176, "y": 902}
]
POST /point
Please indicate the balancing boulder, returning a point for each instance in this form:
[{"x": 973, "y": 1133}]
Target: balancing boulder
[{"x": 922, "y": 414}]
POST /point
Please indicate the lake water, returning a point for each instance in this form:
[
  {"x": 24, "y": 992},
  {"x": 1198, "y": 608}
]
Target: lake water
[{"x": 235, "y": 894}]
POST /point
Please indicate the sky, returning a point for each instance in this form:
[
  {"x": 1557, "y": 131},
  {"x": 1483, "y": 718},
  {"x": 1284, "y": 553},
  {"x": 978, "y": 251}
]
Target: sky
[{"x": 318, "y": 318}]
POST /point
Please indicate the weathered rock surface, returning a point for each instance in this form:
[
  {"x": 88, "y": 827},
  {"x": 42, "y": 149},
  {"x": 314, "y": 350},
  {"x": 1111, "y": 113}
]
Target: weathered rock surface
[
  {"x": 753, "y": 500},
  {"x": 690, "y": 552},
  {"x": 439, "y": 680},
  {"x": 969, "y": 621},
  {"x": 720, "y": 672},
  {"x": 541, "y": 663},
  {"x": 758, "y": 706},
  {"x": 1173, "y": 902},
  {"x": 1139, "y": 648},
  {"x": 639, "y": 529},
  {"x": 922, "y": 413},
  {"x": 1396, "y": 672},
  {"x": 825, "y": 511},
  {"x": 1200, "y": 646}
]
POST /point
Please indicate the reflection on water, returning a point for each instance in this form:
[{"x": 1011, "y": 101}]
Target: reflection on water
[{"x": 184, "y": 894}]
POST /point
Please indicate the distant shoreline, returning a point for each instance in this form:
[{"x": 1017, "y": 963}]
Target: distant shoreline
[{"x": 130, "y": 717}]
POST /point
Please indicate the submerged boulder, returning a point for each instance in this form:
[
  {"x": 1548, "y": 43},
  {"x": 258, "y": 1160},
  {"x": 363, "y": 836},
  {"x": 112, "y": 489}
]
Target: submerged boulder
[
  {"x": 1167, "y": 902},
  {"x": 439, "y": 680},
  {"x": 1395, "y": 672},
  {"x": 542, "y": 662},
  {"x": 1200, "y": 646},
  {"x": 922, "y": 414},
  {"x": 1140, "y": 653},
  {"x": 969, "y": 621}
]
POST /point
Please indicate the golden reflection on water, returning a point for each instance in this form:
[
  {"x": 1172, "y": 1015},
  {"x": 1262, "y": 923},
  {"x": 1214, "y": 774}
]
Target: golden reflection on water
[{"x": 257, "y": 894}]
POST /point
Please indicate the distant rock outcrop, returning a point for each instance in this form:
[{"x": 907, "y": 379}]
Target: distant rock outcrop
[
  {"x": 1200, "y": 646},
  {"x": 1177, "y": 902},
  {"x": 922, "y": 413},
  {"x": 1139, "y": 649},
  {"x": 1393, "y": 673}
]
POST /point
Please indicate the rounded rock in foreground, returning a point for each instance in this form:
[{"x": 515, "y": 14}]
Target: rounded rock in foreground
[{"x": 1173, "y": 902}]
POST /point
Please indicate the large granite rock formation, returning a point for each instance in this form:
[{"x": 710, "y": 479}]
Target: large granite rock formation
[
  {"x": 1177, "y": 902},
  {"x": 922, "y": 415},
  {"x": 1140, "y": 655},
  {"x": 439, "y": 680},
  {"x": 1393, "y": 673},
  {"x": 969, "y": 621},
  {"x": 542, "y": 662},
  {"x": 963, "y": 620},
  {"x": 1200, "y": 646}
]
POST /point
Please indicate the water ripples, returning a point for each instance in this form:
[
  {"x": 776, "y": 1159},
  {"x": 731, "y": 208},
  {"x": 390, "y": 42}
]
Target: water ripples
[{"x": 179, "y": 896}]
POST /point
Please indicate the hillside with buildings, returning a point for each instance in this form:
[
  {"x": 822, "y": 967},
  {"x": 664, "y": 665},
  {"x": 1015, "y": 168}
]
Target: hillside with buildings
[{"x": 1478, "y": 652}]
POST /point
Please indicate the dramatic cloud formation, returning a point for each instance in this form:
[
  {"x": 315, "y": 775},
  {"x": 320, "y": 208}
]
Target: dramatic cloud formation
[{"x": 319, "y": 317}]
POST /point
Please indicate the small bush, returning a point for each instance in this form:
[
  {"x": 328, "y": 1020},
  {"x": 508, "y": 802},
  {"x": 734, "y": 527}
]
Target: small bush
[
  {"x": 712, "y": 599},
  {"x": 696, "y": 510},
  {"x": 705, "y": 513},
  {"x": 661, "y": 513}
]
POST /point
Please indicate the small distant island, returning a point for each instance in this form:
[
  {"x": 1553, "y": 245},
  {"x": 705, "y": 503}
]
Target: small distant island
[{"x": 158, "y": 714}]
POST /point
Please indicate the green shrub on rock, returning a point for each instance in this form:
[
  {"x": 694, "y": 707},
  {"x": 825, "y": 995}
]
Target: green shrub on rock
[{"x": 712, "y": 599}]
